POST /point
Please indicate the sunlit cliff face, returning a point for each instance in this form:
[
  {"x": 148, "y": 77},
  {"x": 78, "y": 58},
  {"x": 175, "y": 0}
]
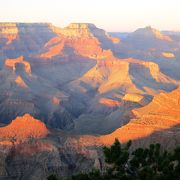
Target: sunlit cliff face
[
  {"x": 158, "y": 121},
  {"x": 168, "y": 55},
  {"x": 9, "y": 31},
  {"x": 12, "y": 63},
  {"x": 109, "y": 102},
  {"x": 162, "y": 114},
  {"x": 86, "y": 40},
  {"x": 20, "y": 82},
  {"x": 22, "y": 129}
]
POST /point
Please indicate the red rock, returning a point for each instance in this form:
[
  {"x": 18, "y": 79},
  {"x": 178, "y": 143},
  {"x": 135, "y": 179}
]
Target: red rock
[
  {"x": 161, "y": 114},
  {"x": 81, "y": 37},
  {"x": 23, "y": 128},
  {"x": 109, "y": 102},
  {"x": 9, "y": 31},
  {"x": 11, "y": 63}
]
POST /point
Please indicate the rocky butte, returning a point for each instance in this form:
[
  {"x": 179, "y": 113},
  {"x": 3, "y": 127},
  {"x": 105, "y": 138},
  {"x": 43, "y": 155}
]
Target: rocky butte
[
  {"x": 12, "y": 63},
  {"x": 22, "y": 129},
  {"x": 86, "y": 39}
]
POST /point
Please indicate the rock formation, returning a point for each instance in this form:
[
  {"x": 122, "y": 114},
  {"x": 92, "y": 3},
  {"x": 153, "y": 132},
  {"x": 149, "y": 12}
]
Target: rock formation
[
  {"x": 82, "y": 80},
  {"x": 69, "y": 77},
  {"x": 22, "y": 129},
  {"x": 109, "y": 102},
  {"x": 20, "y": 82},
  {"x": 168, "y": 55},
  {"x": 86, "y": 39},
  {"x": 9, "y": 31},
  {"x": 161, "y": 116},
  {"x": 133, "y": 97},
  {"x": 149, "y": 32},
  {"x": 12, "y": 63}
]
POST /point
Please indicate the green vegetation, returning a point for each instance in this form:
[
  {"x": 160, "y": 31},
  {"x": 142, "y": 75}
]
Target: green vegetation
[
  {"x": 151, "y": 163},
  {"x": 52, "y": 177}
]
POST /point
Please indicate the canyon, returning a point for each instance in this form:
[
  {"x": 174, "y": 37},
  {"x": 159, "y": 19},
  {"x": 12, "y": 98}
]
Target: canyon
[{"x": 67, "y": 92}]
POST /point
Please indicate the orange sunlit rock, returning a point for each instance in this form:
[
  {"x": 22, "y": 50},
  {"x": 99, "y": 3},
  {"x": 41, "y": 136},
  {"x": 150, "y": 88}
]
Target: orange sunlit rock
[
  {"x": 20, "y": 82},
  {"x": 133, "y": 97},
  {"x": 109, "y": 102},
  {"x": 153, "y": 68},
  {"x": 168, "y": 55},
  {"x": 80, "y": 37},
  {"x": 10, "y": 38},
  {"x": 88, "y": 47},
  {"x": 53, "y": 41},
  {"x": 56, "y": 100},
  {"x": 76, "y": 30},
  {"x": 6, "y": 143},
  {"x": 9, "y": 31},
  {"x": 53, "y": 50},
  {"x": 114, "y": 73},
  {"x": 11, "y": 63},
  {"x": 111, "y": 74},
  {"x": 161, "y": 114},
  {"x": 161, "y": 36},
  {"x": 23, "y": 128},
  {"x": 115, "y": 40}
]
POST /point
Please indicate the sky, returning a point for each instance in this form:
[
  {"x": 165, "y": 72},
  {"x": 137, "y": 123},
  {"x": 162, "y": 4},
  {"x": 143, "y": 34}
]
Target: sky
[{"x": 111, "y": 15}]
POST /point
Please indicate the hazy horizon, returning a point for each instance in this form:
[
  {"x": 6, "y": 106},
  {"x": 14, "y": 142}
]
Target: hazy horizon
[{"x": 113, "y": 16}]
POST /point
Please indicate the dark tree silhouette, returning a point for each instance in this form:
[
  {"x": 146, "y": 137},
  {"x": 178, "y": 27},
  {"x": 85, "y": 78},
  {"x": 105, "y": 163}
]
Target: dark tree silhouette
[{"x": 152, "y": 163}]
